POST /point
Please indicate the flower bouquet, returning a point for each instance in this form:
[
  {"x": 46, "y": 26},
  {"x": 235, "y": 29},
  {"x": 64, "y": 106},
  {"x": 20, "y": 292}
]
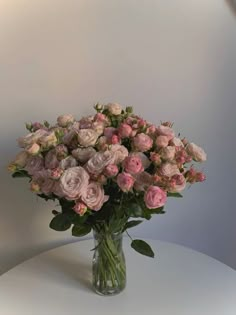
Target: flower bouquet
[{"x": 109, "y": 172}]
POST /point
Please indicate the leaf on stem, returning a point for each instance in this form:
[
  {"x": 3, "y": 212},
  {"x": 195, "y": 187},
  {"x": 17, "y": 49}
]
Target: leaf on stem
[
  {"x": 177, "y": 195},
  {"x": 80, "y": 230},
  {"x": 131, "y": 224},
  {"x": 142, "y": 247}
]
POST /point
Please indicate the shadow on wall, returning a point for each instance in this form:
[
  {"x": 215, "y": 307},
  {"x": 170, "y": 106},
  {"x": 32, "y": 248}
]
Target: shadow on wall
[{"x": 232, "y": 5}]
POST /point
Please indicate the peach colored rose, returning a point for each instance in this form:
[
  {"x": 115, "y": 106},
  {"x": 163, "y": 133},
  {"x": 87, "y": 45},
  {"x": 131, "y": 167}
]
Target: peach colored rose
[
  {"x": 65, "y": 120},
  {"x": 33, "y": 149},
  {"x": 125, "y": 181},
  {"x": 162, "y": 141},
  {"x": 111, "y": 170},
  {"x": 165, "y": 131},
  {"x": 142, "y": 142},
  {"x": 155, "y": 197},
  {"x": 196, "y": 152},
  {"x": 87, "y": 137},
  {"x": 74, "y": 182},
  {"x": 94, "y": 196},
  {"x": 133, "y": 164}
]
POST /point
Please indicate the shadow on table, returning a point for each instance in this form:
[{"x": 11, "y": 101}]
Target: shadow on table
[{"x": 67, "y": 271}]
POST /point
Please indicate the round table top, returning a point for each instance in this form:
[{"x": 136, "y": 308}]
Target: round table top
[{"x": 177, "y": 281}]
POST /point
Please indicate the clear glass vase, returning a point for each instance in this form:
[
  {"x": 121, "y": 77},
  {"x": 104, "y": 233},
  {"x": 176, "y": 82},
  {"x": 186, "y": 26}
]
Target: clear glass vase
[{"x": 109, "y": 269}]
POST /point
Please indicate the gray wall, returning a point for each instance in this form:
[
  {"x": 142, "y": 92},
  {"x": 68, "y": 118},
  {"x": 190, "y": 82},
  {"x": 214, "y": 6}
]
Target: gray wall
[{"x": 173, "y": 60}]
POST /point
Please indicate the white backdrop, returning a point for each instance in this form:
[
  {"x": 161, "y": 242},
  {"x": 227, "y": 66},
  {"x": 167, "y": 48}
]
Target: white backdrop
[{"x": 172, "y": 60}]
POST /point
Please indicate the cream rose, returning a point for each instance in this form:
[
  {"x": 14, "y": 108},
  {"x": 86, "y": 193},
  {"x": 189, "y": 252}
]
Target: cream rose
[
  {"x": 83, "y": 155},
  {"x": 196, "y": 152},
  {"x": 74, "y": 182},
  {"x": 87, "y": 137},
  {"x": 48, "y": 140},
  {"x": 99, "y": 161},
  {"x": 68, "y": 162},
  {"x": 31, "y": 138},
  {"x": 114, "y": 108},
  {"x": 120, "y": 152},
  {"x": 65, "y": 120},
  {"x": 168, "y": 169},
  {"x": 94, "y": 196},
  {"x": 168, "y": 153}
]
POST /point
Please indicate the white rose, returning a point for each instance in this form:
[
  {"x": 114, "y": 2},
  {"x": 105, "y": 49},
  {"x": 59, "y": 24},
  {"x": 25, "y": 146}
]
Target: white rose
[
  {"x": 120, "y": 152},
  {"x": 114, "y": 108},
  {"x": 83, "y": 154},
  {"x": 94, "y": 196},
  {"x": 74, "y": 182},
  {"x": 177, "y": 142},
  {"x": 196, "y": 152},
  {"x": 65, "y": 120},
  {"x": 98, "y": 127},
  {"x": 99, "y": 161},
  {"x": 168, "y": 169},
  {"x": 68, "y": 162},
  {"x": 21, "y": 159},
  {"x": 87, "y": 137},
  {"x": 168, "y": 153}
]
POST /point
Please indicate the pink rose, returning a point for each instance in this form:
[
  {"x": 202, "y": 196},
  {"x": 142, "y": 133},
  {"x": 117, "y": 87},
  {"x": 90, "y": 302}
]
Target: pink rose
[
  {"x": 56, "y": 173},
  {"x": 101, "y": 118},
  {"x": 83, "y": 154},
  {"x": 87, "y": 137},
  {"x": 109, "y": 132},
  {"x": 179, "y": 183},
  {"x": 168, "y": 169},
  {"x": 65, "y": 120},
  {"x": 124, "y": 130},
  {"x": 168, "y": 153},
  {"x": 51, "y": 160},
  {"x": 99, "y": 161},
  {"x": 74, "y": 182},
  {"x": 80, "y": 208},
  {"x": 165, "y": 131},
  {"x": 155, "y": 158},
  {"x": 86, "y": 122},
  {"x": 34, "y": 164},
  {"x": 31, "y": 138},
  {"x": 133, "y": 164},
  {"x": 120, "y": 152},
  {"x": 111, "y": 170},
  {"x": 145, "y": 160},
  {"x": 162, "y": 141},
  {"x": 200, "y": 177},
  {"x": 68, "y": 162},
  {"x": 115, "y": 139},
  {"x": 155, "y": 197},
  {"x": 94, "y": 196},
  {"x": 47, "y": 186},
  {"x": 197, "y": 153},
  {"x": 142, "y": 142},
  {"x": 142, "y": 181},
  {"x": 57, "y": 189},
  {"x": 151, "y": 130},
  {"x": 125, "y": 181}
]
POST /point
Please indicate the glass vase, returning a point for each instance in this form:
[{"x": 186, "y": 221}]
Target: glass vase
[{"x": 109, "y": 269}]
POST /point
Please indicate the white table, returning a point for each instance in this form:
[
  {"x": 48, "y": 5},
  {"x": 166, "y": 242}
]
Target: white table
[{"x": 179, "y": 281}]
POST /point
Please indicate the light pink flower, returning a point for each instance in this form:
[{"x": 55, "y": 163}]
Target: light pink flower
[
  {"x": 151, "y": 130},
  {"x": 102, "y": 143},
  {"x": 68, "y": 162},
  {"x": 94, "y": 196},
  {"x": 83, "y": 154},
  {"x": 200, "y": 177},
  {"x": 162, "y": 141},
  {"x": 61, "y": 151},
  {"x": 197, "y": 153},
  {"x": 125, "y": 181},
  {"x": 168, "y": 153},
  {"x": 31, "y": 138},
  {"x": 99, "y": 161},
  {"x": 57, "y": 189},
  {"x": 33, "y": 149},
  {"x": 176, "y": 142},
  {"x": 111, "y": 170},
  {"x": 51, "y": 160},
  {"x": 124, "y": 130},
  {"x": 56, "y": 173},
  {"x": 21, "y": 159},
  {"x": 86, "y": 122},
  {"x": 115, "y": 139},
  {"x": 65, "y": 120},
  {"x": 74, "y": 182},
  {"x": 180, "y": 183},
  {"x": 87, "y": 137},
  {"x": 142, "y": 181},
  {"x": 109, "y": 132},
  {"x": 80, "y": 208},
  {"x": 69, "y": 137},
  {"x": 155, "y": 197},
  {"x": 48, "y": 140},
  {"x": 47, "y": 186},
  {"x": 98, "y": 127},
  {"x": 34, "y": 164},
  {"x": 169, "y": 169},
  {"x": 101, "y": 118},
  {"x": 114, "y": 108},
  {"x": 133, "y": 164},
  {"x": 120, "y": 152},
  {"x": 165, "y": 131},
  {"x": 142, "y": 142},
  {"x": 155, "y": 158}
]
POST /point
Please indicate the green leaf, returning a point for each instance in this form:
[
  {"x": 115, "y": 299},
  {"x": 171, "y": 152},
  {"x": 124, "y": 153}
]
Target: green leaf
[
  {"x": 131, "y": 224},
  {"x": 178, "y": 195},
  {"x": 142, "y": 247},
  {"x": 157, "y": 210},
  {"x": 20, "y": 173},
  {"x": 60, "y": 222},
  {"x": 134, "y": 210},
  {"x": 46, "y": 197},
  {"x": 81, "y": 230}
]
